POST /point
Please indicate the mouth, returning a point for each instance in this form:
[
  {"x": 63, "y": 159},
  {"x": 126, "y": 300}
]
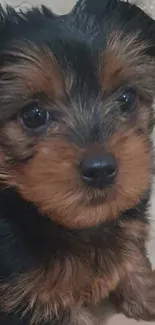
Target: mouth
[
  {"x": 98, "y": 201},
  {"x": 99, "y": 197}
]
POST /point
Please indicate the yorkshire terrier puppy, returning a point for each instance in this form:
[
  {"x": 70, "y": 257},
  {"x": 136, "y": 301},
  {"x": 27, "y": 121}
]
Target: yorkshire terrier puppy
[{"x": 76, "y": 162}]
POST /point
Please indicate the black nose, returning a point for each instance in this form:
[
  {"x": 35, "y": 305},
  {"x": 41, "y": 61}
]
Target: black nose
[{"x": 98, "y": 170}]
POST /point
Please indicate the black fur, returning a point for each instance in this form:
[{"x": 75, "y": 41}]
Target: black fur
[{"x": 27, "y": 239}]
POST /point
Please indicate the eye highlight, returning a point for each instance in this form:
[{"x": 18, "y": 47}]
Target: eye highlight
[
  {"x": 128, "y": 100},
  {"x": 34, "y": 117}
]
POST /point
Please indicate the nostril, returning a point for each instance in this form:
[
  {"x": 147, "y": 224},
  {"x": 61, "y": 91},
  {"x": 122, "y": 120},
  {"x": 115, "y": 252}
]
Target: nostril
[
  {"x": 109, "y": 166},
  {"x": 98, "y": 170},
  {"x": 88, "y": 173}
]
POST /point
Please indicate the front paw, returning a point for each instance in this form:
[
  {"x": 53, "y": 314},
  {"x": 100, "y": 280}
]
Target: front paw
[
  {"x": 138, "y": 308},
  {"x": 135, "y": 297}
]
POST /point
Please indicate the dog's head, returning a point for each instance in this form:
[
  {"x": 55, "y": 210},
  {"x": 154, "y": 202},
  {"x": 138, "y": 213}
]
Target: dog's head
[{"x": 76, "y": 97}]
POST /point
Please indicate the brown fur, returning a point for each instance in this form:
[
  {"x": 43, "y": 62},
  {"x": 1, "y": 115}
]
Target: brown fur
[
  {"x": 135, "y": 294},
  {"x": 44, "y": 169},
  {"x": 37, "y": 72},
  {"x": 69, "y": 197},
  {"x": 125, "y": 59},
  {"x": 46, "y": 291}
]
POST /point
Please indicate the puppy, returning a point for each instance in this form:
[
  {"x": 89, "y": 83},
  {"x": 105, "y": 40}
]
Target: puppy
[{"x": 76, "y": 162}]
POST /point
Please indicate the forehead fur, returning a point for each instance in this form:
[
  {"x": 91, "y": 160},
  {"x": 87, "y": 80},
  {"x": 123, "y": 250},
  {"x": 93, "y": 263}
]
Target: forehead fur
[
  {"x": 124, "y": 59},
  {"x": 53, "y": 55},
  {"x": 29, "y": 73},
  {"x": 31, "y": 70}
]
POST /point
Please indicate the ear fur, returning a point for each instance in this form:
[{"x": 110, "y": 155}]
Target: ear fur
[
  {"x": 112, "y": 13},
  {"x": 95, "y": 8}
]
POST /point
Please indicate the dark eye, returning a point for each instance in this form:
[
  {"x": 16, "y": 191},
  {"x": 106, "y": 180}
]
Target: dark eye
[
  {"x": 34, "y": 117},
  {"x": 128, "y": 100}
]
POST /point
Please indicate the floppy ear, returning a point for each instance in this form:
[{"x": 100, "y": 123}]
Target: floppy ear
[{"x": 95, "y": 8}]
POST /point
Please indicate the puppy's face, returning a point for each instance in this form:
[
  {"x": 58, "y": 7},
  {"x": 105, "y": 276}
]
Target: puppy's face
[{"x": 76, "y": 96}]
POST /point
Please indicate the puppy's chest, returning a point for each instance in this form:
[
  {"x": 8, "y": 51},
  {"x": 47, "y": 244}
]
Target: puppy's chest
[
  {"x": 72, "y": 285},
  {"x": 76, "y": 280}
]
